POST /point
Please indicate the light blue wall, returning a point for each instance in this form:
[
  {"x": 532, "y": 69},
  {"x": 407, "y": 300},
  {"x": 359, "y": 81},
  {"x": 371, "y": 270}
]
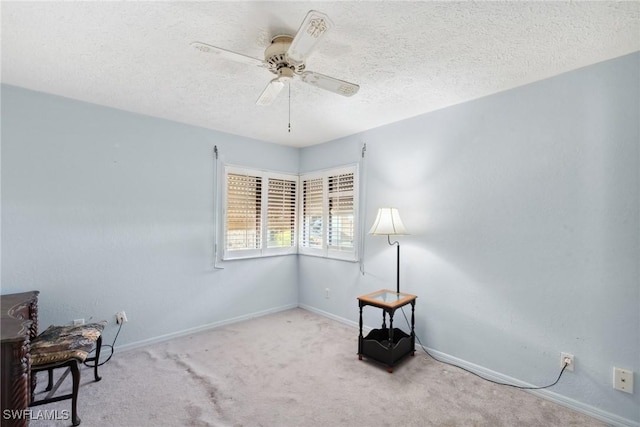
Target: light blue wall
[
  {"x": 523, "y": 209},
  {"x": 105, "y": 210}
]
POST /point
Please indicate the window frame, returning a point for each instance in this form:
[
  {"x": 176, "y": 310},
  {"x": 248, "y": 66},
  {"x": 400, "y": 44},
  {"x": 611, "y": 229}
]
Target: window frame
[
  {"x": 264, "y": 250},
  {"x": 325, "y": 251}
]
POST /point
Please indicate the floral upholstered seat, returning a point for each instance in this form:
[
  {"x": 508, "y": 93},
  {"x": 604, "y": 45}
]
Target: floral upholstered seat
[{"x": 61, "y": 343}]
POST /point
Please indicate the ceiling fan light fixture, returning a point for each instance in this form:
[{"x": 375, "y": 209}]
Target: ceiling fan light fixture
[{"x": 285, "y": 74}]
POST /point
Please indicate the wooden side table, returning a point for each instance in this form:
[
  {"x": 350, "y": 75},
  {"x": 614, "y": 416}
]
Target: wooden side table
[{"x": 387, "y": 345}]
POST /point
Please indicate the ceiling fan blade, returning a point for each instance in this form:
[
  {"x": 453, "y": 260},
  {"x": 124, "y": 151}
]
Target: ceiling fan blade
[
  {"x": 314, "y": 26},
  {"x": 234, "y": 56},
  {"x": 329, "y": 83},
  {"x": 270, "y": 92}
]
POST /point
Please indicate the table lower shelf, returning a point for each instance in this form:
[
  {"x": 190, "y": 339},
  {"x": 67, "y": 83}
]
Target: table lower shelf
[{"x": 376, "y": 346}]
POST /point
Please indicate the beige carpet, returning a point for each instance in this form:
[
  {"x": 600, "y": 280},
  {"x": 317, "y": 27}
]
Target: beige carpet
[{"x": 293, "y": 368}]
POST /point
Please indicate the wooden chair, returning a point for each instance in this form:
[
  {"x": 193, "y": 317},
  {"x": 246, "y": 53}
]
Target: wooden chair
[{"x": 65, "y": 347}]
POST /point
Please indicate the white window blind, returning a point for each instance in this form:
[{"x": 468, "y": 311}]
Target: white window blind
[
  {"x": 244, "y": 212},
  {"x": 341, "y": 223},
  {"x": 312, "y": 218},
  {"x": 281, "y": 213}
]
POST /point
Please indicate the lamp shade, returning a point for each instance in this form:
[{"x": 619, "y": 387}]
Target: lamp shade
[{"x": 388, "y": 222}]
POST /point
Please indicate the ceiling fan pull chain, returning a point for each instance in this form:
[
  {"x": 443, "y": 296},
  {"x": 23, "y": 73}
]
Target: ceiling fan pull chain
[{"x": 289, "y": 106}]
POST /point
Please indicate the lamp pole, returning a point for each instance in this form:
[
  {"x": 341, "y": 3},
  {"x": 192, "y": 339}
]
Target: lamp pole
[
  {"x": 397, "y": 262},
  {"x": 398, "y": 269}
]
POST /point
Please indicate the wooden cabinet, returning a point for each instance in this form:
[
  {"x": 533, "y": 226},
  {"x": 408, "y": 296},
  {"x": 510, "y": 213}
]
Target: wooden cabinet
[{"x": 19, "y": 316}]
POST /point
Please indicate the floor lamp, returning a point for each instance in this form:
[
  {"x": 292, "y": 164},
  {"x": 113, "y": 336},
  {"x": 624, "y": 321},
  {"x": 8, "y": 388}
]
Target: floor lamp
[{"x": 388, "y": 222}]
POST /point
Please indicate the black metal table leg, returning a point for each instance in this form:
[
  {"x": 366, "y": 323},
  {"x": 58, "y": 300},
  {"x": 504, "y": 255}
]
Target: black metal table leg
[
  {"x": 390, "y": 363},
  {"x": 360, "y": 337},
  {"x": 413, "y": 323}
]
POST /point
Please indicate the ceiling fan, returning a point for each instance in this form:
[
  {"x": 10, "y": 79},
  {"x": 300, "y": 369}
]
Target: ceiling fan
[{"x": 285, "y": 57}]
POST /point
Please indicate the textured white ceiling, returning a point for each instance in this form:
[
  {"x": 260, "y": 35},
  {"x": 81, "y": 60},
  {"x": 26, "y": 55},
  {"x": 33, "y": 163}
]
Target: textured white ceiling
[{"x": 408, "y": 57}]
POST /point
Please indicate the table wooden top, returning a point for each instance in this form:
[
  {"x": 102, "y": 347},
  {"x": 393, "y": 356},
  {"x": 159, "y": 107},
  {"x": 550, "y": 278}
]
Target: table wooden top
[{"x": 387, "y": 298}]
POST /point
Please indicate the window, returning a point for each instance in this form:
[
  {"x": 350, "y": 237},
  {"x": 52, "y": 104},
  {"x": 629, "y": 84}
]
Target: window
[
  {"x": 341, "y": 231},
  {"x": 329, "y": 213},
  {"x": 260, "y": 213}
]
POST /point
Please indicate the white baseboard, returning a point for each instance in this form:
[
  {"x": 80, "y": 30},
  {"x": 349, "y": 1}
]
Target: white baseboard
[
  {"x": 331, "y": 316},
  {"x": 161, "y": 338},
  {"x": 607, "y": 417}
]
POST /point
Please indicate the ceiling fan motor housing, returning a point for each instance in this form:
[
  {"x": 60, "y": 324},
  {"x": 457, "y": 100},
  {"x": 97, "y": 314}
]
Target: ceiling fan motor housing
[{"x": 275, "y": 55}]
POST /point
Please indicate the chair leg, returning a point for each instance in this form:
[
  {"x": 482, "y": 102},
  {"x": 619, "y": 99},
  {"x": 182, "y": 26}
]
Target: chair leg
[
  {"x": 97, "y": 361},
  {"x": 50, "y": 382},
  {"x": 75, "y": 373}
]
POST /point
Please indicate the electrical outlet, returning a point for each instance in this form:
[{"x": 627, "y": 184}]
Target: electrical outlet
[
  {"x": 568, "y": 359},
  {"x": 327, "y": 293},
  {"x": 78, "y": 322},
  {"x": 623, "y": 380},
  {"x": 121, "y": 317}
]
